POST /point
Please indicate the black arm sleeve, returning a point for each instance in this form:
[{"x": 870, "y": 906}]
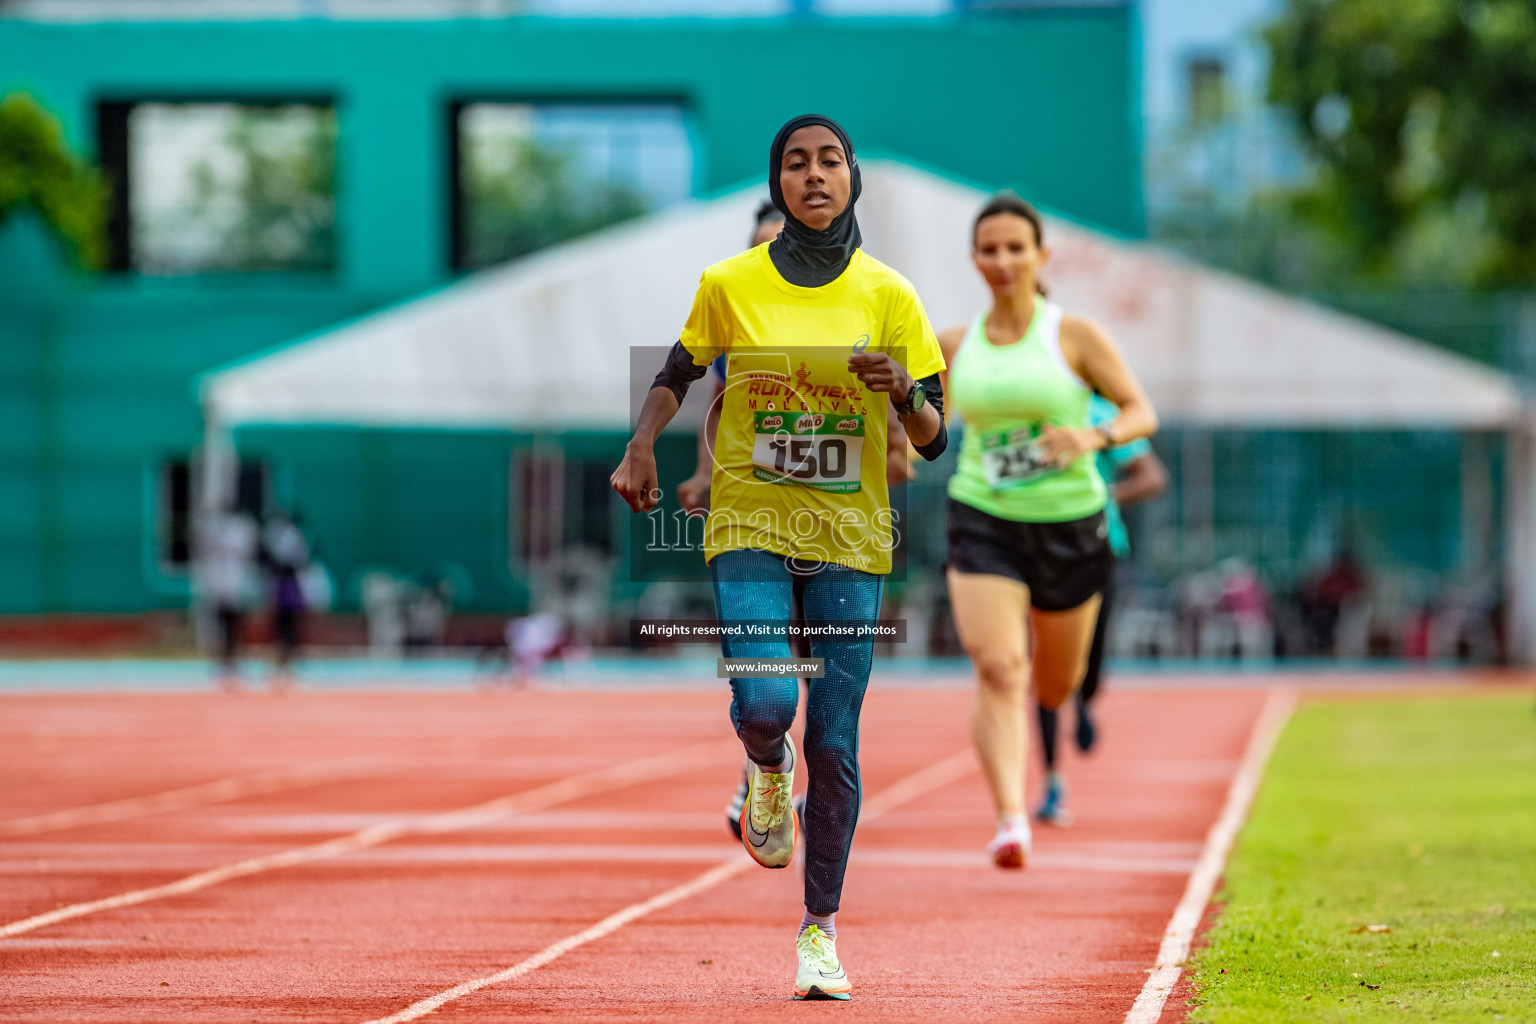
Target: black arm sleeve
[
  {"x": 678, "y": 372},
  {"x": 933, "y": 391}
]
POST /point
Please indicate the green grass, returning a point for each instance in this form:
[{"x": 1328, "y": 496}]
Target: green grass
[{"x": 1415, "y": 814}]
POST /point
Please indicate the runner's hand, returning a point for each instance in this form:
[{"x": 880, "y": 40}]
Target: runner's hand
[
  {"x": 635, "y": 479},
  {"x": 693, "y": 494},
  {"x": 879, "y": 372},
  {"x": 1065, "y": 445}
]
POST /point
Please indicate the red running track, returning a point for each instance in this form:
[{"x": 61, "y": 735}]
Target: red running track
[{"x": 420, "y": 904}]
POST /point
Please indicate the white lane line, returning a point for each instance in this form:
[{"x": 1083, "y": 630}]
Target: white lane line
[
  {"x": 933, "y": 777},
  {"x": 237, "y": 787},
  {"x": 150, "y": 858},
  {"x": 572, "y": 788},
  {"x": 946, "y": 860},
  {"x": 1046, "y": 860},
  {"x": 1213, "y": 858},
  {"x": 733, "y": 865}
]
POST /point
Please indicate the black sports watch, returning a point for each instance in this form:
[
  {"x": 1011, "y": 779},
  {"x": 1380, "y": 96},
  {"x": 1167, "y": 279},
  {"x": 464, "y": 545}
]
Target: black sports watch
[{"x": 915, "y": 400}]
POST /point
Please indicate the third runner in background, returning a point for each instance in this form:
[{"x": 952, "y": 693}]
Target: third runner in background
[{"x": 1133, "y": 473}]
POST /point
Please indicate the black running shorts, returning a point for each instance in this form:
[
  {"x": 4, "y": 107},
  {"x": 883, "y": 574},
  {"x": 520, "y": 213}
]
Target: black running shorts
[{"x": 1062, "y": 564}]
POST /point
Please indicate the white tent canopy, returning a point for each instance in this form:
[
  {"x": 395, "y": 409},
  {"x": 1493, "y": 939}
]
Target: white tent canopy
[
  {"x": 544, "y": 343},
  {"x": 548, "y": 343}
]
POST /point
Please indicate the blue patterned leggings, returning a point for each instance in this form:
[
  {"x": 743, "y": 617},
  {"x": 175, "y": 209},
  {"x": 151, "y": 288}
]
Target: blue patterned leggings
[{"x": 759, "y": 585}]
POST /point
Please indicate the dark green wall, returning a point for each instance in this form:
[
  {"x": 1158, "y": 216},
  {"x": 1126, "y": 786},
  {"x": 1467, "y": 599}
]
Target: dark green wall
[
  {"x": 96, "y": 375},
  {"x": 94, "y": 395}
]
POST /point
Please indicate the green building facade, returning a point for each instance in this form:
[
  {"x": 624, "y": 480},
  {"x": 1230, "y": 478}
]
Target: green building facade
[{"x": 97, "y": 373}]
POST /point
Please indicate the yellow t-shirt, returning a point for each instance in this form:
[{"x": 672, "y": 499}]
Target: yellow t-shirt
[{"x": 800, "y": 453}]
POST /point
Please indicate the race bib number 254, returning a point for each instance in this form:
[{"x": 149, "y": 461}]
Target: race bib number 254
[{"x": 1013, "y": 458}]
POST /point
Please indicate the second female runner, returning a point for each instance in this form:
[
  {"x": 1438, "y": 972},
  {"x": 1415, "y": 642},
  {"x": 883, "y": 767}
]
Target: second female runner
[{"x": 1028, "y": 548}]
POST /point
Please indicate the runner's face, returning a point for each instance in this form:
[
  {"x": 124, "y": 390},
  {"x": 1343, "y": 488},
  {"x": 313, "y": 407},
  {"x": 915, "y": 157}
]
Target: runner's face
[
  {"x": 766, "y": 232},
  {"x": 814, "y": 176},
  {"x": 1007, "y": 254}
]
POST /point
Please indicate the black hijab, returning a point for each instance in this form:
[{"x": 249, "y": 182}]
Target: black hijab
[{"x": 803, "y": 255}]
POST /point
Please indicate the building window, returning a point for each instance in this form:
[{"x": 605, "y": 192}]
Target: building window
[
  {"x": 559, "y": 504},
  {"x": 538, "y": 501},
  {"x": 1207, "y": 90},
  {"x": 173, "y": 527},
  {"x": 176, "y": 505},
  {"x": 591, "y": 521},
  {"x": 221, "y": 187},
  {"x": 527, "y": 175}
]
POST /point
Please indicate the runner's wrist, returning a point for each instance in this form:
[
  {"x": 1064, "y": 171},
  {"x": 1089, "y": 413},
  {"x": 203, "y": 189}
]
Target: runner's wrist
[{"x": 905, "y": 399}]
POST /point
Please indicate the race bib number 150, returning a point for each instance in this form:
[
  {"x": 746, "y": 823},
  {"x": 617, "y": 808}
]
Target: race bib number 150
[{"x": 812, "y": 449}]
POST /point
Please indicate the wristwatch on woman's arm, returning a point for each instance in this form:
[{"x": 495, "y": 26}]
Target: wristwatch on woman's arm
[{"x": 914, "y": 401}]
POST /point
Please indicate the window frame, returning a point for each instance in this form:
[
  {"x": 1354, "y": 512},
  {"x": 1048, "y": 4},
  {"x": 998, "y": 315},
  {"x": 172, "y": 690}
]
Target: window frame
[
  {"x": 457, "y": 226},
  {"x": 254, "y": 480},
  {"x": 1207, "y": 88},
  {"x": 114, "y": 154}
]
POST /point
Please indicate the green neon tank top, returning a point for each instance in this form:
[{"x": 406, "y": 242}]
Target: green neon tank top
[{"x": 1004, "y": 395}]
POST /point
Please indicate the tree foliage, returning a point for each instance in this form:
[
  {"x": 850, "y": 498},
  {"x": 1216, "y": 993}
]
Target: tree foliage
[
  {"x": 1422, "y": 114},
  {"x": 38, "y": 171},
  {"x": 535, "y": 197},
  {"x": 282, "y": 194}
]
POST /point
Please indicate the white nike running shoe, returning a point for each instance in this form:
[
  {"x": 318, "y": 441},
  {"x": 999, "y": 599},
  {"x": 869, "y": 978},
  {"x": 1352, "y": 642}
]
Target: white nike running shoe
[
  {"x": 768, "y": 822},
  {"x": 820, "y": 975},
  {"x": 1011, "y": 847}
]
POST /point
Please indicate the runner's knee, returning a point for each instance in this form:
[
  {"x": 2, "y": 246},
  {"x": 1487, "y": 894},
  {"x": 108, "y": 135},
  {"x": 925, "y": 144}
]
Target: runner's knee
[
  {"x": 764, "y": 710},
  {"x": 1001, "y": 672}
]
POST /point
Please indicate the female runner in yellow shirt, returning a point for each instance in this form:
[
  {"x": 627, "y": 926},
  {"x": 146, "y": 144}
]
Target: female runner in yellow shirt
[{"x": 819, "y": 338}]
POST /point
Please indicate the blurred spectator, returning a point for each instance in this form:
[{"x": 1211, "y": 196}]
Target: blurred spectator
[
  {"x": 1246, "y": 606},
  {"x": 285, "y": 553},
  {"x": 225, "y": 556},
  {"x": 315, "y": 583},
  {"x": 1417, "y": 632},
  {"x": 383, "y": 598},
  {"x": 1462, "y": 624},
  {"x": 1325, "y": 599},
  {"x": 426, "y": 615},
  {"x": 531, "y": 641},
  {"x": 1199, "y": 601}
]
